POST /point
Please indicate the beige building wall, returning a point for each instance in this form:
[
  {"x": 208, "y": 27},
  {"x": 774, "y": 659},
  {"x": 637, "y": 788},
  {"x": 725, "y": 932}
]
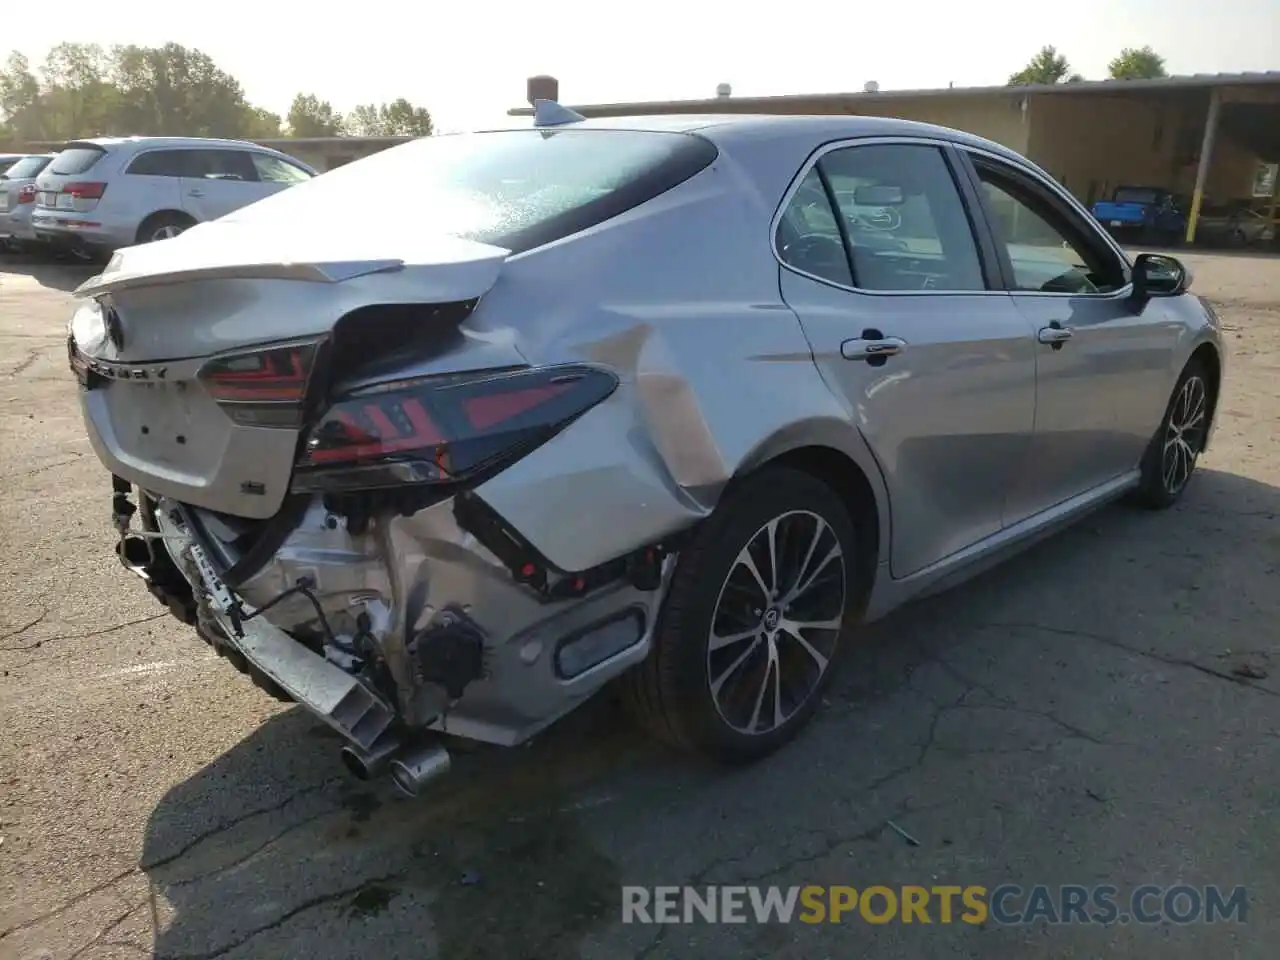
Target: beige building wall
[
  {"x": 996, "y": 118},
  {"x": 1093, "y": 144}
]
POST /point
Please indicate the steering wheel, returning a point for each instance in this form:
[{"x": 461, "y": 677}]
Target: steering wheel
[
  {"x": 884, "y": 219},
  {"x": 817, "y": 253}
]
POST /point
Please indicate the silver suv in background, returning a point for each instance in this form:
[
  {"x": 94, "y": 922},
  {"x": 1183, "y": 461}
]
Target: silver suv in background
[
  {"x": 109, "y": 192},
  {"x": 18, "y": 199}
]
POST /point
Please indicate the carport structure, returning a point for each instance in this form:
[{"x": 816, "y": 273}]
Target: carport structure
[{"x": 1205, "y": 136}]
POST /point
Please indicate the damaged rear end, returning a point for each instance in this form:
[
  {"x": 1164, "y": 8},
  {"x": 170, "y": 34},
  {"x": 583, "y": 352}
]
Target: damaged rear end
[{"x": 296, "y": 426}]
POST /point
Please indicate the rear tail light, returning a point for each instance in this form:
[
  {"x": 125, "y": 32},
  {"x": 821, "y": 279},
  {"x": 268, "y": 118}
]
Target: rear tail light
[
  {"x": 262, "y": 387},
  {"x": 444, "y": 430},
  {"x": 86, "y": 190},
  {"x": 27, "y": 194}
]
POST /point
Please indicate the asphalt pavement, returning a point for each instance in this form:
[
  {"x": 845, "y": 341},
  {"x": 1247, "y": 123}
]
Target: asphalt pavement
[{"x": 1101, "y": 711}]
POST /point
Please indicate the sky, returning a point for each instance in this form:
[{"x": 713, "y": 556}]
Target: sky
[{"x": 467, "y": 62}]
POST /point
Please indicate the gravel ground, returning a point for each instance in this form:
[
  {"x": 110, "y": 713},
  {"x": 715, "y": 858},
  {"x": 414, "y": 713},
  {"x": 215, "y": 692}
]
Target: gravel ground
[{"x": 1076, "y": 717}]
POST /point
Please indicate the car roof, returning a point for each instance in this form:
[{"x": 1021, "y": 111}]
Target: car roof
[
  {"x": 189, "y": 143},
  {"x": 727, "y": 129}
]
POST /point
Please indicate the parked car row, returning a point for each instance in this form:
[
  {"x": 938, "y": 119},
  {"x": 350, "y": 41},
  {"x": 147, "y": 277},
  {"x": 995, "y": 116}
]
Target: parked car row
[
  {"x": 101, "y": 194},
  {"x": 1155, "y": 215}
]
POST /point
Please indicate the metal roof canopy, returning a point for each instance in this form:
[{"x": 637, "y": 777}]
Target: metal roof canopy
[{"x": 779, "y": 103}]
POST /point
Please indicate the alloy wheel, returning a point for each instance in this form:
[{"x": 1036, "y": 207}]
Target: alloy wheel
[
  {"x": 776, "y": 622},
  {"x": 1184, "y": 434},
  {"x": 167, "y": 232}
]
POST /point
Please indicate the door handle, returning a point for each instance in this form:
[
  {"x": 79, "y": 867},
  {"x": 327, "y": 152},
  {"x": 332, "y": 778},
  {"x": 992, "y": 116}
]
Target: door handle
[
  {"x": 1055, "y": 334},
  {"x": 872, "y": 349},
  {"x": 195, "y": 193}
]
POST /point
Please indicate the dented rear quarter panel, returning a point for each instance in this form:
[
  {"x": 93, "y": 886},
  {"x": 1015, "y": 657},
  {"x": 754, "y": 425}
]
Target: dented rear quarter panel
[{"x": 680, "y": 298}]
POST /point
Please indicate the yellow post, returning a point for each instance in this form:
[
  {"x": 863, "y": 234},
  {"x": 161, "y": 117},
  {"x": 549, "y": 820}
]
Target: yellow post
[
  {"x": 1275, "y": 196},
  {"x": 1206, "y": 155}
]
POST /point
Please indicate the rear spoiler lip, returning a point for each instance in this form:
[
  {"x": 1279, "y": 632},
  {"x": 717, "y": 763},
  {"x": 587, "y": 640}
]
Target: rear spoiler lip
[{"x": 336, "y": 272}]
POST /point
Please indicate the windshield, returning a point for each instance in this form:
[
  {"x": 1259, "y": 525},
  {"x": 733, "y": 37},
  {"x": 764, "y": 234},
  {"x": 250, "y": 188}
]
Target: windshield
[
  {"x": 26, "y": 167},
  {"x": 514, "y": 188},
  {"x": 75, "y": 160}
]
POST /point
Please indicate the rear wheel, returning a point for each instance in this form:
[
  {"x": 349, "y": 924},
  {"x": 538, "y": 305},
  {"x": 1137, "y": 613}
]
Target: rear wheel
[
  {"x": 757, "y": 613},
  {"x": 164, "y": 226},
  {"x": 1173, "y": 452}
]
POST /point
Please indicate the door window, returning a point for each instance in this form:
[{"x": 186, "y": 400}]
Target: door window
[
  {"x": 276, "y": 170},
  {"x": 904, "y": 222},
  {"x": 232, "y": 165},
  {"x": 897, "y": 213},
  {"x": 808, "y": 237},
  {"x": 1048, "y": 252}
]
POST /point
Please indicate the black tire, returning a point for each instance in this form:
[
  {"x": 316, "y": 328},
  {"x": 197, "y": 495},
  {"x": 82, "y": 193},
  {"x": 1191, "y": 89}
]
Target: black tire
[
  {"x": 158, "y": 224},
  {"x": 670, "y": 693},
  {"x": 1164, "y": 479}
]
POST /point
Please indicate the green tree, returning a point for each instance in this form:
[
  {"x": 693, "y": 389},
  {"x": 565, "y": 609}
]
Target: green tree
[
  {"x": 261, "y": 124},
  {"x": 180, "y": 91},
  {"x": 1137, "y": 63},
  {"x": 365, "y": 121},
  {"x": 78, "y": 96},
  {"x": 82, "y": 90},
  {"x": 1046, "y": 67},
  {"x": 403, "y": 119},
  {"x": 311, "y": 117},
  {"x": 400, "y": 118},
  {"x": 20, "y": 99}
]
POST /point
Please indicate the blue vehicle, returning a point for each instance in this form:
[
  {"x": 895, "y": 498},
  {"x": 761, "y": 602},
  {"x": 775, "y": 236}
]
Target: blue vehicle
[{"x": 1146, "y": 214}]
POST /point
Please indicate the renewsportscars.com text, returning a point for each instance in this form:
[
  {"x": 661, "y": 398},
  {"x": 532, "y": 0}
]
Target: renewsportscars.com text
[{"x": 1007, "y": 904}]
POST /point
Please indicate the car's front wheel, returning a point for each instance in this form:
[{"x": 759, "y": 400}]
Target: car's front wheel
[
  {"x": 1174, "y": 451},
  {"x": 761, "y": 602}
]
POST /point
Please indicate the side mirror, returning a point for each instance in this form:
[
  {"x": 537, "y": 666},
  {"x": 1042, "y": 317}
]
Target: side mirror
[{"x": 1158, "y": 275}]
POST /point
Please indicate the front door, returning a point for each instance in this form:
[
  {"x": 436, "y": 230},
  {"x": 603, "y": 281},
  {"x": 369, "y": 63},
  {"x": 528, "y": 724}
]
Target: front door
[
  {"x": 276, "y": 173},
  {"x": 219, "y": 182},
  {"x": 1100, "y": 366},
  {"x": 894, "y": 293}
]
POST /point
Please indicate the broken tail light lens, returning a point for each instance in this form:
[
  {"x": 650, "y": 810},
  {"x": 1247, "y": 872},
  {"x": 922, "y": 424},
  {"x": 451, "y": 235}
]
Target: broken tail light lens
[
  {"x": 443, "y": 430},
  {"x": 265, "y": 387}
]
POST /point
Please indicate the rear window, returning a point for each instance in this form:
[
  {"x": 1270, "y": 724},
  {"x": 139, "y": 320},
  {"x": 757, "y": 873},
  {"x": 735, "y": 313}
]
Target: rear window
[
  {"x": 516, "y": 189},
  {"x": 26, "y": 167},
  {"x": 75, "y": 160}
]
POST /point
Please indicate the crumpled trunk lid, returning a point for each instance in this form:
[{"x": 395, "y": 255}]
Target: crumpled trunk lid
[
  {"x": 154, "y": 318},
  {"x": 226, "y": 284}
]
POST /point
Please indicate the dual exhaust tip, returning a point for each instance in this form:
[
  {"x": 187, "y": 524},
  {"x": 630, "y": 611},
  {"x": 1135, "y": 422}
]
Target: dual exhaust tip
[{"x": 412, "y": 770}]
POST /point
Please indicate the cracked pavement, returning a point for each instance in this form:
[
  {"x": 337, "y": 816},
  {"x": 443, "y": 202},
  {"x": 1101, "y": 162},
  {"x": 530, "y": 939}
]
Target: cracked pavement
[{"x": 1101, "y": 710}]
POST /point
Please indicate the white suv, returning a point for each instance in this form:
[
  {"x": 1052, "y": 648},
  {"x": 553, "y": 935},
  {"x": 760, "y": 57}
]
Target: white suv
[{"x": 109, "y": 192}]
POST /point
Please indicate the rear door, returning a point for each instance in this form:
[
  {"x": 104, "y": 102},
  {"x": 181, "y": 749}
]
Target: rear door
[
  {"x": 897, "y": 290},
  {"x": 153, "y": 180},
  {"x": 1102, "y": 368},
  {"x": 277, "y": 173},
  {"x": 218, "y": 182}
]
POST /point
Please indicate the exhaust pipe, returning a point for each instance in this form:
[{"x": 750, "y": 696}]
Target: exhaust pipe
[
  {"x": 413, "y": 771},
  {"x": 368, "y": 764}
]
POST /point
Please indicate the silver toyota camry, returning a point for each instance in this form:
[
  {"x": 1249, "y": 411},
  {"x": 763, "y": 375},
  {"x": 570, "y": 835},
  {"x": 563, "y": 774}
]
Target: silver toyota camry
[{"x": 675, "y": 402}]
